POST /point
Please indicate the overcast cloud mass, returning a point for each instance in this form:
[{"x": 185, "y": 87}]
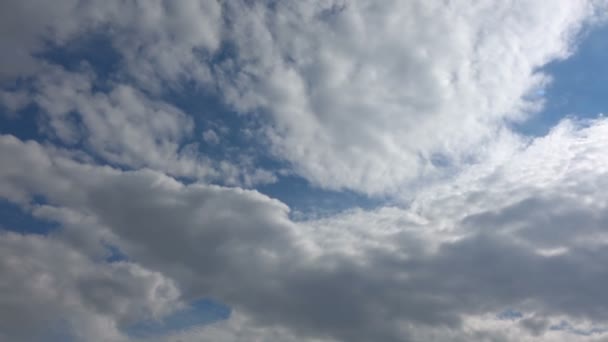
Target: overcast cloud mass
[{"x": 318, "y": 170}]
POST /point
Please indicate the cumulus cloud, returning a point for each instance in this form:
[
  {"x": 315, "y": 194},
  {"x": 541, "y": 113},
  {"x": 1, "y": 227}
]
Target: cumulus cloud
[
  {"x": 388, "y": 274},
  {"x": 158, "y": 40},
  {"x": 355, "y": 95},
  {"x": 121, "y": 118},
  {"x": 407, "y": 99},
  {"x": 364, "y": 95},
  {"x": 123, "y": 126},
  {"x": 50, "y": 291}
]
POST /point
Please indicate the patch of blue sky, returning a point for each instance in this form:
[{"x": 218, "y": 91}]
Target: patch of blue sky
[
  {"x": 16, "y": 219},
  {"x": 92, "y": 51},
  {"x": 510, "y": 315},
  {"x": 568, "y": 327},
  {"x": 23, "y": 124},
  {"x": 114, "y": 254},
  {"x": 578, "y": 88},
  {"x": 209, "y": 112},
  {"x": 307, "y": 201},
  {"x": 198, "y": 313}
]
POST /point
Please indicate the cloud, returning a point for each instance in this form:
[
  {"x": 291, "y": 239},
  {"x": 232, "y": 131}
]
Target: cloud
[
  {"x": 211, "y": 137},
  {"x": 51, "y": 291},
  {"x": 356, "y": 95},
  {"x": 387, "y": 274},
  {"x": 362, "y": 95},
  {"x": 158, "y": 41},
  {"x": 124, "y": 126},
  {"x": 410, "y": 100}
]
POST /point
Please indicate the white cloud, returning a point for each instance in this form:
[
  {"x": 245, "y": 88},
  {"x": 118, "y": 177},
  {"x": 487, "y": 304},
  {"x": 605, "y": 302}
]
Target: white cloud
[
  {"x": 211, "y": 137},
  {"x": 124, "y": 126},
  {"x": 358, "y": 95},
  {"x": 160, "y": 41},
  {"x": 363, "y": 95}
]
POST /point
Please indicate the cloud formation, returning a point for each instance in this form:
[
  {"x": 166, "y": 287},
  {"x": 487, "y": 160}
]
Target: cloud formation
[
  {"x": 481, "y": 234},
  {"x": 387, "y": 274},
  {"x": 364, "y": 98},
  {"x": 366, "y": 95}
]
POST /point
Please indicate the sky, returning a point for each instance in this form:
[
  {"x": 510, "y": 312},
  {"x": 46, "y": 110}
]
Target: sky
[{"x": 318, "y": 171}]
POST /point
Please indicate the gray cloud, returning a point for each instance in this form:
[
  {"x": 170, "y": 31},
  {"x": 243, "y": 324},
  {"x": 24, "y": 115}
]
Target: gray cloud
[
  {"x": 50, "y": 291},
  {"x": 390, "y": 274}
]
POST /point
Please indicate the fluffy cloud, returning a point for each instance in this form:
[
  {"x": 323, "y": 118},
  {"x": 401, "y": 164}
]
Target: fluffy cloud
[
  {"x": 158, "y": 40},
  {"x": 121, "y": 118},
  {"x": 51, "y": 291},
  {"x": 379, "y": 98},
  {"x": 124, "y": 126},
  {"x": 354, "y": 95},
  {"x": 366, "y": 96},
  {"x": 428, "y": 271}
]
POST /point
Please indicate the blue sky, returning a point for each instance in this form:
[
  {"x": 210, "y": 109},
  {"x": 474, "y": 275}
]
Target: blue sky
[
  {"x": 199, "y": 312},
  {"x": 577, "y": 87},
  {"x": 303, "y": 171}
]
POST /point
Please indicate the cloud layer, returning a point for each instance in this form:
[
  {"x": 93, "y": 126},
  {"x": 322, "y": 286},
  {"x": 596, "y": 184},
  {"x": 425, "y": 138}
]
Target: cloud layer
[
  {"x": 387, "y": 274},
  {"x": 481, "y": 233}
]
